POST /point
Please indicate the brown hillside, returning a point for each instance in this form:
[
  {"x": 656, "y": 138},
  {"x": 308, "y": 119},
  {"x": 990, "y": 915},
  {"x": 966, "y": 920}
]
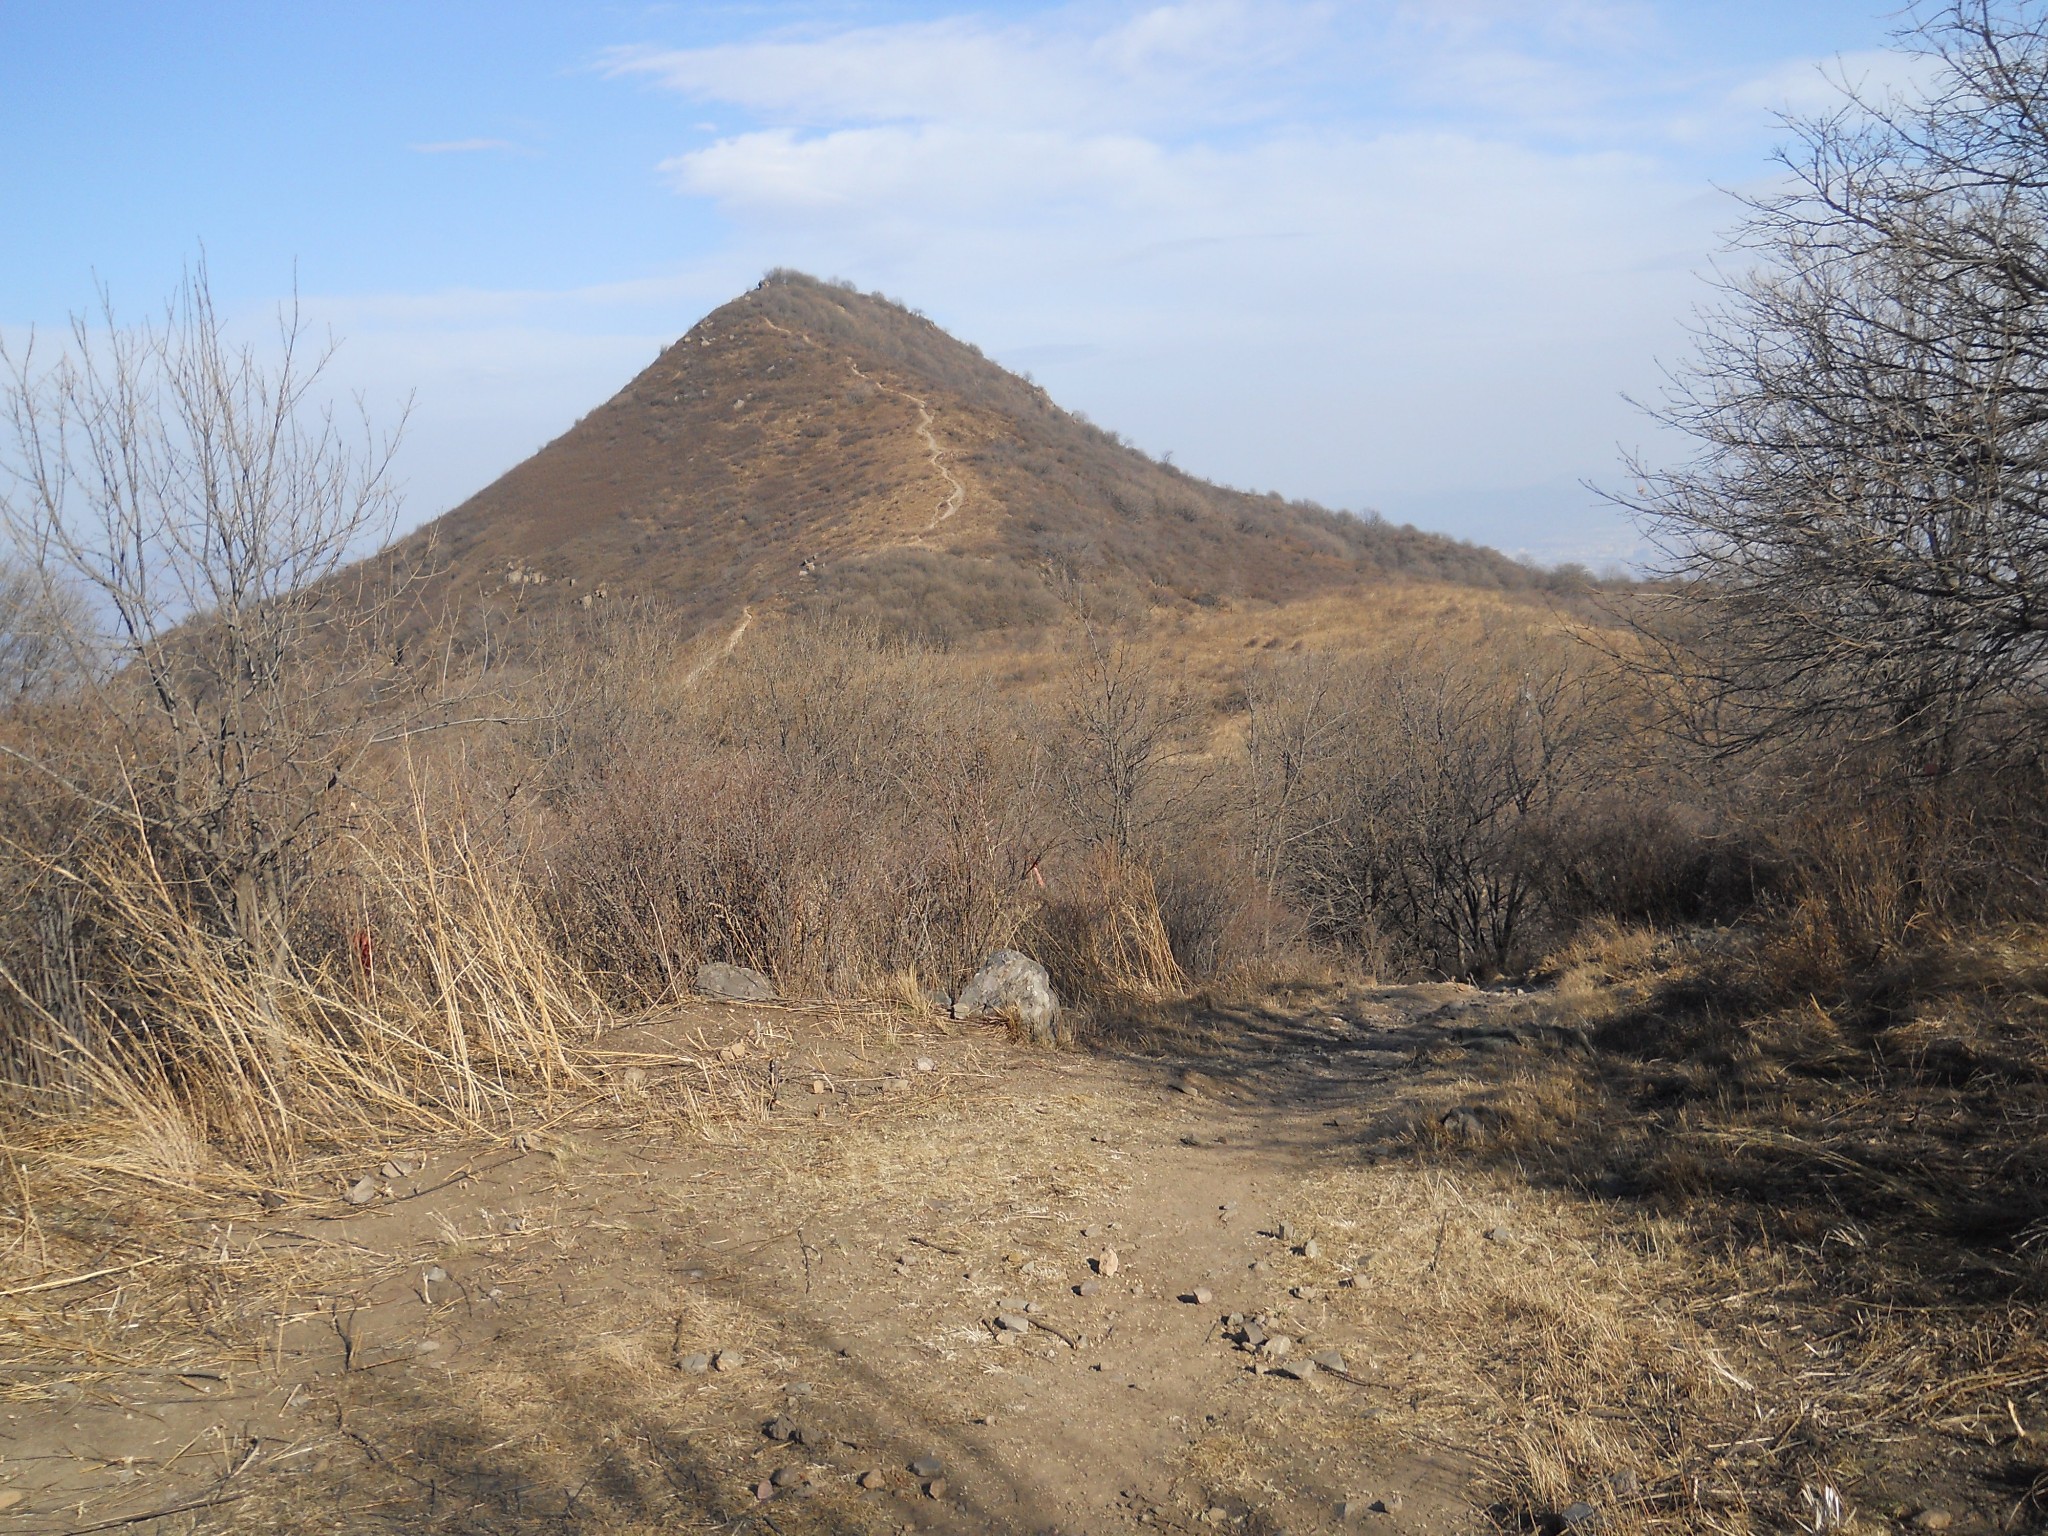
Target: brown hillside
[{"x": 819, "y": 446}]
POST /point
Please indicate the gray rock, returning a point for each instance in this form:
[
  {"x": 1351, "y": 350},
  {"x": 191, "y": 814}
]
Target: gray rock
[
  {"x": 1013, "y": 1322},
  {"x": 728, "y": 1360},
  {"x": 1499, "y": 1235},
  {"x": 1332, "y": 1360},
  {"x": 1311, "y": 1249},
  {"x": 1387, "y": 1504},
  {"x": 780, "y": 1429},
  {"x": 1201, "y": 1296},
  {"x": 363, "y": 1191},
  {"x": 927, "y": 1465},
  {"x": 1011, "y": 984},
  {"x": 694, "y": 1364},
  {"x": 1351, "y": 1510},
  {"x": 1578, "y": 1516},
  {"x": 1295, "y": 1370},
  {"x": 736, "y": 983},
  {"x": 872, "y": 1479},
  {"x": 940, "y": 1000},
  {"x": 434, "y": 1274},
  {"x": 1088, "y": 1287},
  {"x": 1012, "y": 1304},
  {"x": 782, "y": 1477}
]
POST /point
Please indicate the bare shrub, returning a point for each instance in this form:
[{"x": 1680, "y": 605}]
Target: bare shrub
[
  {"x": 1100, "y": 935},
  {"x": 831, "y": 808}
]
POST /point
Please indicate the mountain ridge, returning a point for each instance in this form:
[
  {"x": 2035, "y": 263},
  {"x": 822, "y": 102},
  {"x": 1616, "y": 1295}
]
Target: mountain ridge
[{"x": 809, "y": 445}]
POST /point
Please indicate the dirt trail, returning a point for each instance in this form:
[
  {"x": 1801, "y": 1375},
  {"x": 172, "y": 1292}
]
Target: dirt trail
[
  {"x": 515, "y": 1337},
  {"x": 732, "y": 643},
  {"x": 956, "y": 492}
]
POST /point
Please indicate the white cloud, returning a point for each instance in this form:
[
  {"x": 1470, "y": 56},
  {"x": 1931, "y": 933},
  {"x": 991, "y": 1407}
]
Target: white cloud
[{"x": 1407, "y": 254}]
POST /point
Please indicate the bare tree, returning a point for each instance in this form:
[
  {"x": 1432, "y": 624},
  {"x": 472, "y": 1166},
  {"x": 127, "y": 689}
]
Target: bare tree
[
  {"x": 205, "y": 501},
  {"x": 1860, "y": 545},
  {"x": 1126, "y": 724}
]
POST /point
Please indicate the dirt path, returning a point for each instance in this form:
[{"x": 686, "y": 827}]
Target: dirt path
[
  {"x": 617, "y": 1327},
  {"x": 956, "y": 489},
  {"x": 732, "y": 643}
]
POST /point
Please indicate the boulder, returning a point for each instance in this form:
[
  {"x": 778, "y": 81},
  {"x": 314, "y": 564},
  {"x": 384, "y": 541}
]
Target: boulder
[
  {"x": 1014, "y": 985},
  {"x": 735, "y": 982}
]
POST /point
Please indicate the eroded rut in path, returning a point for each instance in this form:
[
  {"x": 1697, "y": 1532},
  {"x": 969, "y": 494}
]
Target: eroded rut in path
[{"x": 795, "y": 1326}]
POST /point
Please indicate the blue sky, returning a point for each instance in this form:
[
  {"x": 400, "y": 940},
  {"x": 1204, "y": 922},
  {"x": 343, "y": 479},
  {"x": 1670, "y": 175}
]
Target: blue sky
[{"x": 1397, "y": 255}]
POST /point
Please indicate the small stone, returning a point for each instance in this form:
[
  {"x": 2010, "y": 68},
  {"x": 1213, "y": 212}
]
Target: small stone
[
  {"x": 1014, "y": 1259},
  {"x": 1108, "y": 1264},
  {"x": 780, "y": 1429},
  {"x": 896, "y": 1085},
  {"x": 1201, "y": 1296},
  {"x": 1351, "y": 1510},
  {"x": 1933, "y": 1520},
  {"x": 872, "y": 1479},
  {"x": 1311, "y": 1249},
  {"x": 1012, "y": 1304},
  {"x": 1013, "y": 1322},
  {"x": 927, "y": 1465},
  {"x": 1308, "y": 1293},
  {"x": 728, "y": 1360},
  {"x": 935, "y": 1489},
  {"x": 1499, "y": 1235},
  {"x": 1295, "y": 1370},
  {"x": 817, "y": 1085},
  {"x": 1286, "y": 1231},
  {"x": 1386, "y": 1504},
  {"x": 393, "y": 1171},
  {"x": 926, "y": 1064},
  {"x": 694, "y": 1365},
  {"x": 1258, "y": 1266},
  {"x": 1254, "y": 1335},
  {"x": 1088, "y": 1287},
  {"x": 434, "y": 1274},
  {"x": 1577, "y": 1516},
  {"x": 764, "y": 1490},
  {"x": 1276, "y": 1347},
  {"x": 363, "y": 1191},
  {"x": 1032, "y": 1309},
  {"x": 1332, "y": 1360},
  {"x": 1215, "y": 1514},
  {"x": 1091, "y": 1231},
  {"x": 782, "y": 1477}
]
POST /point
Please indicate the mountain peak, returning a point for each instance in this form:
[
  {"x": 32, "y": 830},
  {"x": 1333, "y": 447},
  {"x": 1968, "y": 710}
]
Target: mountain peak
[{"x": 809, "y": 443}]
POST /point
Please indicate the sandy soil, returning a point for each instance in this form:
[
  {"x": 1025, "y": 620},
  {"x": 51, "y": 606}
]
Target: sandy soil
[{"x": 514, "y": 1337}]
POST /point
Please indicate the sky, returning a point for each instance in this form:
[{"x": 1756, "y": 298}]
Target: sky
[{"x": 1413, "y": 256}]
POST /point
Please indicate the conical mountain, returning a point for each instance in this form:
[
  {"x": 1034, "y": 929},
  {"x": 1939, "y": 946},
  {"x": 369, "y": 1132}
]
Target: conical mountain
[{"x": 809, "y": 444}]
